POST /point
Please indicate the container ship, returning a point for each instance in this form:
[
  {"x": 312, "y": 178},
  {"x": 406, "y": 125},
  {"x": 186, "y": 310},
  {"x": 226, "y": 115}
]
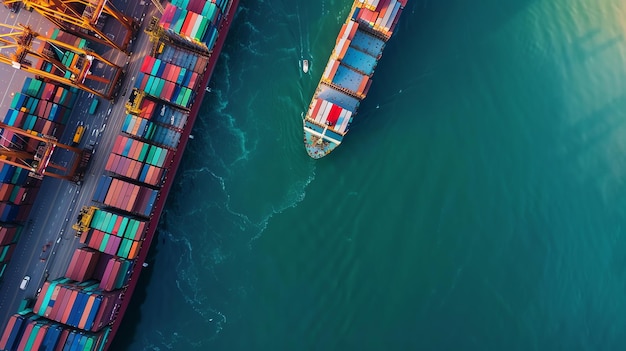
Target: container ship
[
  {"x": 82, "y": 308},
  {"x": 347, "y": 77}
]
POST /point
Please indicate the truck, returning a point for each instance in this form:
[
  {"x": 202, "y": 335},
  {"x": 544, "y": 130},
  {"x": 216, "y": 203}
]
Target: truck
[
  {"x": 78, "y": 134},
  {"x": 94, "y": 106}
]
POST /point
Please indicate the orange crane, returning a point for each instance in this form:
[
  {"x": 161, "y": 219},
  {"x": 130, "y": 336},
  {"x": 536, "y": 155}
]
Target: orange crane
[
  {"x": 74, "y": 71},
  {"x": 80, "y": 17},
  {"x": 33, "y": 151},
  {"x": 157, "y": 35}
]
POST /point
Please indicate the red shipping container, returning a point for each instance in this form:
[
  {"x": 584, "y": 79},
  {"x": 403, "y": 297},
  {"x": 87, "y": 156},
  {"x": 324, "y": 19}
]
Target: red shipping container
[
  {"x": 186, "y": 23},
  {"x": 7, "y": 234},
  {"x": 40, "y": 335},
  {"x": 116, "y": 145},
  {"x": 110, "y": 163},
  {"x": 44, "y": 290},
  {"x": 86, "y": 312},
  {"x": 29, "y": 329},
  {"x": 62, "y": 339},
  {"x": 80, "y": 260},
  {"x": 68, "y": 308},
  {"x": 63, "y": 296},
  {"x": 7, "y": 332},
  {"x": 20, "y": 198}
]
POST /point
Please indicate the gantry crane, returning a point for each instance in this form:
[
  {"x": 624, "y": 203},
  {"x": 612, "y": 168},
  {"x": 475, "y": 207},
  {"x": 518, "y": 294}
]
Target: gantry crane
[
  {"x": 157, "y": 35},
  {"x": 83, "y": 219},
  {"x": 80, "y": 17},
  {"x": 158, "y": 6},
  {"x": 72, "y": 72},
  {"x": 33, "y": 151},
  {"x": 134, "y": 102}
]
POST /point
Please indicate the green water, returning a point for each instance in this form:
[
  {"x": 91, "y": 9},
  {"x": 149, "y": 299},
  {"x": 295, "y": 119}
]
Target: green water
[{"x": 478, "y": 202}]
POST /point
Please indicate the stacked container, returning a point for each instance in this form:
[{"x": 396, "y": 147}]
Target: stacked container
[
  {"x": 119, "y": 225},
  {"x": 125, "y": 196},
  {"x": 80, "y": 305},
  {"x": 28, "y": 331},
  {"x": 111, "y": 244},
  {"x": 138, "y": 160},
  {"x": 164, "y": 114},
  {"x": 155, "y": 133},
  {"x": 380, "y": 15},
  {"x": 167, "y": 81},
  {"x": 193, "y": 20},
  {"x": 82, "y": 265},
  {"x": 116, "y": 274}
]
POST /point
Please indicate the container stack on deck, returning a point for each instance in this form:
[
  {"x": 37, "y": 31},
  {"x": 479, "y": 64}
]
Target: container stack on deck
[
  {"x": 194, "y": 20},
  {"x": 80, "y": 305},
  {"x": 119, "y": 235},
  {"x": 29, "y": 331},
  {"x": 81, "y": 310},
  {"x": 82, "y": 265},
  {"x": 158, "y": 124},
  {"x": 139, "y": 160},
  {"x": 347, "y": 77}
]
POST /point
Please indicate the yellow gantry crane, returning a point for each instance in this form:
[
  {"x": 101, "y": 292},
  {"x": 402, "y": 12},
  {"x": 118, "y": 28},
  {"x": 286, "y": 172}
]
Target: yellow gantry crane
[
  {"x": 33, "y": 151},
  {"x": 74, "y": 73},
  {"x": 80, "y": 17}
]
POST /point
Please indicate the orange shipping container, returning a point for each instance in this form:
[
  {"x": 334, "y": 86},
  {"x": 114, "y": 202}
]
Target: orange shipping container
[
  {"x": 134, "y": 250},
  {"x": 86, "y": 311},
  {"x": 111, "y": 191},
  {"x": 331, "y": 69},
  {"x": 5, "y": 191},
  {"x": 363, "y": 84},
  {"x": 68, "y": 309}
]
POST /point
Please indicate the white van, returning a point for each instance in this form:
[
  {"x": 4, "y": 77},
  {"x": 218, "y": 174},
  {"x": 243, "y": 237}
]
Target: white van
[{"x": 24, "y": 283}]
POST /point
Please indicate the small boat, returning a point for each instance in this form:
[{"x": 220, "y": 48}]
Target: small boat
[{"x": 305, "y": 66}]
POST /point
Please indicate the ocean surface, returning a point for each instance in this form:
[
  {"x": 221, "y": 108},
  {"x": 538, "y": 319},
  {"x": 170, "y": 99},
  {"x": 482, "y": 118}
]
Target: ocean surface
[{"x": 478, "y": 202}]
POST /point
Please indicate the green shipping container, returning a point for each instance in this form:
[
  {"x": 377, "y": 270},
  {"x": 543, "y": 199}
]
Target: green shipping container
[
  {"x": 144, "y": 151},
  {"x": 123, "y": 226},
  {"x": 105, "y": 241},
  {"x": 155, "y": 67},
  {"x": 105, "y": 222},
  {"x": 111, "y": 225},
  {"x": 32, "y": 337}
]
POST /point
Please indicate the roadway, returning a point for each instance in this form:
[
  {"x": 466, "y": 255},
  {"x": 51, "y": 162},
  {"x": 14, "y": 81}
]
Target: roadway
[{"x": 58, "y": 201}]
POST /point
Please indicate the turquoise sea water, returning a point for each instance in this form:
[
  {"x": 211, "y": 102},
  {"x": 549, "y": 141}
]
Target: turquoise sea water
[{"x": 478, "y": 202}]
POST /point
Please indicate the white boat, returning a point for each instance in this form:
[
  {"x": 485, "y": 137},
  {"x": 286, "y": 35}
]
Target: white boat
[{"x": 305, "y": 66}]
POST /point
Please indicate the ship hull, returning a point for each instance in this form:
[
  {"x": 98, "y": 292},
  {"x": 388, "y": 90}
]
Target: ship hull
[{"x": 347, "y": 76}]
